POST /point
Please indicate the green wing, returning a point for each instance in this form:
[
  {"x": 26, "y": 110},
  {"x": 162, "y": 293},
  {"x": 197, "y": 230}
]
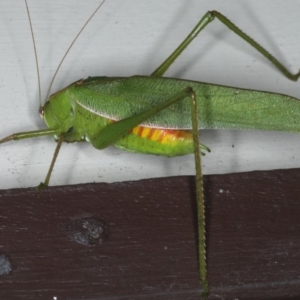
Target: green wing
[{"x": 218, "y": 106}]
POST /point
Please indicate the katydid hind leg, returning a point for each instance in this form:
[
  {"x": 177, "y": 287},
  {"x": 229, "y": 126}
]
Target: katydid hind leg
[
  {"x": 205, "y": 20},
  {"x": 118, "y": 129},
  {"x": 200, "y": 199}
]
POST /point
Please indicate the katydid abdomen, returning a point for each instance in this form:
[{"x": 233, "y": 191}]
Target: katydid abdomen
[{"x": 83, "y": 109}]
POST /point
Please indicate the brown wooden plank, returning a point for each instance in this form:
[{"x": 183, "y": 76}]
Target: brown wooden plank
[{"x": 151, "y": 249}]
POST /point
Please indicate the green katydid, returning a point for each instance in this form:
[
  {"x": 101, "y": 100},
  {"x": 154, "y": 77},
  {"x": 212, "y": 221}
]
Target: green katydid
[
  {"x": 115, "y": 52},
  {"x": 213, "y": 112}
]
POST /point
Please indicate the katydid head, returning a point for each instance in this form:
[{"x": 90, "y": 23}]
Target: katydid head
[{"x": 58, "y": 112}]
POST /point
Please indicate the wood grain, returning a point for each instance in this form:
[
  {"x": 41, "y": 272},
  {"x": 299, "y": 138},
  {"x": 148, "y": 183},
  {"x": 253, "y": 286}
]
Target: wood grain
[{"x": 149, "y": 250}]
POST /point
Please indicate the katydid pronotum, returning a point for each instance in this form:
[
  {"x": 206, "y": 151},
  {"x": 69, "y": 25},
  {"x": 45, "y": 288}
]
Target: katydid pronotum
[{"x": 239, "y": 111}]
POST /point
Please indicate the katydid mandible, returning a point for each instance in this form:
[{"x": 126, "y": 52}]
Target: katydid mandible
[{"x": 88, "y": 110}]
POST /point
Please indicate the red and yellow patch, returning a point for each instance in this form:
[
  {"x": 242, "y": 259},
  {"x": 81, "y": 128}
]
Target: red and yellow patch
[{"x": 162, "y": 136}]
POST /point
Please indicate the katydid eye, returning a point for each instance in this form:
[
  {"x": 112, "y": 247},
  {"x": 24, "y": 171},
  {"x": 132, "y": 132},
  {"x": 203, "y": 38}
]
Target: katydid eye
[{"x": 42, "y": 112}]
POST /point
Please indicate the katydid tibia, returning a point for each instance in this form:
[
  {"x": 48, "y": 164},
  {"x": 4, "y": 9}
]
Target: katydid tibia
[{"x": 90, "y": 110}]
